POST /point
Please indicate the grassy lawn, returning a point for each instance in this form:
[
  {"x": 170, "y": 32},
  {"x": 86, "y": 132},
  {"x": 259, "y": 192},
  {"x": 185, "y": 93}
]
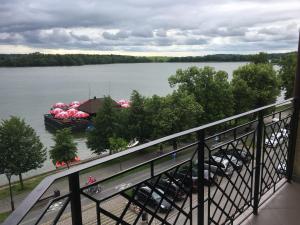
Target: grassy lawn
[
  {"x": 16, "y": 188},
  {"x": 30, "y": 184},
  {"x": 3, "y": 216}
]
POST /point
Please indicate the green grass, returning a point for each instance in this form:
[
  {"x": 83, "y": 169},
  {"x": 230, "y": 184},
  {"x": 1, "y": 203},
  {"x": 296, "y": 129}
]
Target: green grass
[
  {"x": 3, "y": 216},
  {"x": 282, "y": 107},
  {"x": 29, "y": 185}
]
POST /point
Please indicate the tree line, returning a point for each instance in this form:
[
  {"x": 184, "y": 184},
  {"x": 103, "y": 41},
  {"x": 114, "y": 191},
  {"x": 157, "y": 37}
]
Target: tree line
[
  {"x": 200, "y": 96},
  {"x": 39, "y": 59}
]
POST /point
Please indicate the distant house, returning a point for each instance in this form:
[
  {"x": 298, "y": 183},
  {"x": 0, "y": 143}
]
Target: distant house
[{"x": 92, "y": 106}]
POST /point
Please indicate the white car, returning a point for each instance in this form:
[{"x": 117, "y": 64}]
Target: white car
[
  {"x": 223, "y": 164},
  {"x": 281, "y": 168},
  {"x": 277, "y": 138}
]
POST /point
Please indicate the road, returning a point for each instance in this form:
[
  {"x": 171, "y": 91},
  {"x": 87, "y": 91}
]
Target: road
[{"x": 109, "y": 188}]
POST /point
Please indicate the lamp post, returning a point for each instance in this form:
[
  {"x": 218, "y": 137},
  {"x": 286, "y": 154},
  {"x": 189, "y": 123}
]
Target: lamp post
[{"x": 8, "y": 175}]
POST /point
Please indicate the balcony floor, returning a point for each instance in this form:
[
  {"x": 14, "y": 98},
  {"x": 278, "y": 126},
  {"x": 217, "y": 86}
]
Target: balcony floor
[{"x": 282, "y": 209}]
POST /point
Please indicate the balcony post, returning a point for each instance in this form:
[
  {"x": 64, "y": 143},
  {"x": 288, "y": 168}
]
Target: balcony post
[
  {"x": 259, "y": 138},
  {"x": 200, "y": 183},
  {"x": 293, "y": 166},
  {"x": 74, "y": 188}
]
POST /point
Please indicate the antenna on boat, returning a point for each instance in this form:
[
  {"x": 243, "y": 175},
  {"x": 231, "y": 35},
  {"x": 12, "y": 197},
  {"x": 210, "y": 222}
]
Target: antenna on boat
[
  {"x": 89, "y": 91},
  {"x": 109, "y": 88}
]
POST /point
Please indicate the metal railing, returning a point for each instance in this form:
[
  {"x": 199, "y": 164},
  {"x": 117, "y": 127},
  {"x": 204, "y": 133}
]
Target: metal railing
[{"x": 211, "y": 175}]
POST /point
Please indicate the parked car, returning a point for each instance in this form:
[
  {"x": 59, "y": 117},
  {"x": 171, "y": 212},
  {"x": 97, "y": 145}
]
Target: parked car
[
  {"x": 170, "y": 188},
  {"x": 239, "y": 153},
  {"x": 281, "y": 168},
  {"x": 183, "y": 175},
  {"x": 236, "y": 163},
  {"x": 277, "y": 138},
  {"x": 145, "y": 197},
  {"x": 225, "y": 168}
]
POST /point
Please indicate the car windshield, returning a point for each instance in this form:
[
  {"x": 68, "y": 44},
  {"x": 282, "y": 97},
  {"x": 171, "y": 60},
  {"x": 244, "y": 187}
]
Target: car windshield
[
  {"x": 243, "y": 153},
  {"x": 156, "y": 196},
  {"x": 232, "y": 158}
]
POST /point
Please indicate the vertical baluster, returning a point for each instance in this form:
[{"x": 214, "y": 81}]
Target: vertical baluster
[
  {"x": 259, "y": 138},
  {"x": 200, "y": 184},
  {"x": 74, "y": 188},
  {"x": 294, "y": 120}
]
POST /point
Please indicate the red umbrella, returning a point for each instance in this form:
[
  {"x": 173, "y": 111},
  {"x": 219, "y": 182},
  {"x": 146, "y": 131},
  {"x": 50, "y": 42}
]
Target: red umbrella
[
  {"x": 56, "y": 111},
  {"x": 122, "y": 101},
  {"x": 74, "y": 103},
  {"x": 74, "y": 106},
  {"x": 81, "y": 114},
  {"x": 72, "y": 111},
  {"x": 59, "y": 105},
  {"x": 125, "y": 105},
  {"x": 62, "y": 115}
]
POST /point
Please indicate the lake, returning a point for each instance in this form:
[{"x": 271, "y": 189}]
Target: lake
[{"x": 29, "y": 92}]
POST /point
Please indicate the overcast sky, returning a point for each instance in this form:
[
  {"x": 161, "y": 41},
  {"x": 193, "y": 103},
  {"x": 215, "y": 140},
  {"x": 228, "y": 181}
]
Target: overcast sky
[{"x": 149, "y": 27}]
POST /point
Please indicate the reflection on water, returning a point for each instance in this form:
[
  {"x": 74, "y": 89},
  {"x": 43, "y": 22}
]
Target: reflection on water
[{"x": 30, "y": 92}]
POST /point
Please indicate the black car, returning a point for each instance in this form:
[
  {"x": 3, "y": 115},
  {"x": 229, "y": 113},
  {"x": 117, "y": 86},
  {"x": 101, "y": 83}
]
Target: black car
[
  {"x": 170, "y": 188},
  {"x": 183, "y": 174},
  {"x": 145, "y": 197}
]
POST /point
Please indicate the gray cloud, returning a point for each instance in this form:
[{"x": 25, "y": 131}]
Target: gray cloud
[
  {"x": 118, "y": 36},
  {"x": 131, "y": 25}
]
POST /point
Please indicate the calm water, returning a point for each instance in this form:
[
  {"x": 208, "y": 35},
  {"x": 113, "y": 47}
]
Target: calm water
[{"x": 29, "y": 92}]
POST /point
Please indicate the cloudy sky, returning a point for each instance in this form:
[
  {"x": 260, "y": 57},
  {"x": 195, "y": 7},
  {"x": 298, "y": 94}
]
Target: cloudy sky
[{"x": 149, "y": 27}]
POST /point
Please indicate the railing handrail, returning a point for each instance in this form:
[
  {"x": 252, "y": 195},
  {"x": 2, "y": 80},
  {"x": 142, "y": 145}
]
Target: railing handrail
[{"x": 27, "y": 204}]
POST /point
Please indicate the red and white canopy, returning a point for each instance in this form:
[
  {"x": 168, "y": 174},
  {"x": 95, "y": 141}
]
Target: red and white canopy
[
  {"x": 59, "y": 105},
  {"x": 62, "y": 115},
  {"x": 81, "y": 114},
  {"x": 124, "y": 103},
  {"x": 72, "y": 111},
  {"x": 56, "y": 111},
  {"x": 74, "y": 103}
]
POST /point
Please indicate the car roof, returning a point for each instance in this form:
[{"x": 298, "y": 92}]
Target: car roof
[{"x": 220, "y": 160}]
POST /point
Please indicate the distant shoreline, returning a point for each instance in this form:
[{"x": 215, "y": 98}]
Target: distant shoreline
[{"x": 43, "y": 60}]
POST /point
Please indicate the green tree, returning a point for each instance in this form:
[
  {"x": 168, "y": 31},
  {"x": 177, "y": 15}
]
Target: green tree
[
  {"x": 137, "y": 117},
  {"x": 117, "y": 144},
  {"x": 260, "y": 58},
  {"x": 179, "y": 111},
  {"x": 210, "y": 88},
  {"x": 153, "y": 105},
  {"x": 254, "y": 85},
  {"x": 20, "y": 148},
  {"x": 287, "y": 73},
  {"x": 23, "y": 147},
  {"x": 106, "y": 126},
  {"x": 64, "y": 149}
]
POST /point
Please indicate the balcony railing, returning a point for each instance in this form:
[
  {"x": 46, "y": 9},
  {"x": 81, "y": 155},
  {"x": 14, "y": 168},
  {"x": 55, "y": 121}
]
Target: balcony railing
[{"x": 213, "y": 174}]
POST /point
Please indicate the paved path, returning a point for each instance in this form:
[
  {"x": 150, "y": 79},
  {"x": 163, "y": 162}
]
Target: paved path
[{"x": 62, "y": 185}]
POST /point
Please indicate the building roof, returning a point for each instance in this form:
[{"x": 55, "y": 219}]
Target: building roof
[{"x": 92, "y": 106}]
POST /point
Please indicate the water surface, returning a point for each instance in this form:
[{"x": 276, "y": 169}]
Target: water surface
[{"x": 29, "y": 92}]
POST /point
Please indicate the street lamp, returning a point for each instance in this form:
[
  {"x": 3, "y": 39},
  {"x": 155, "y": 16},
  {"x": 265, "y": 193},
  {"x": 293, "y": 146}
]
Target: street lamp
[{"x": 8, "y": 175}]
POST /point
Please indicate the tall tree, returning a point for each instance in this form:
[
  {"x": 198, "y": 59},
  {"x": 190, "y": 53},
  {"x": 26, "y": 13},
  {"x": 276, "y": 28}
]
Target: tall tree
[
  {"x": 210, "y": 88},
  {"x": 64, "y": 149},
  {"x": 137, "y": 117},
  {"x": 179, "y": 111},
  {"x": 261, "y": 57},
  {"x": 287, "y": 73},
  {"x": 117, "y": 144},
  {"x": 153, "y": 105},
  {"x": 254, "y": 85},
  {"x": 106, "y": 126},
  {"x": 20, "y": 148}
]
